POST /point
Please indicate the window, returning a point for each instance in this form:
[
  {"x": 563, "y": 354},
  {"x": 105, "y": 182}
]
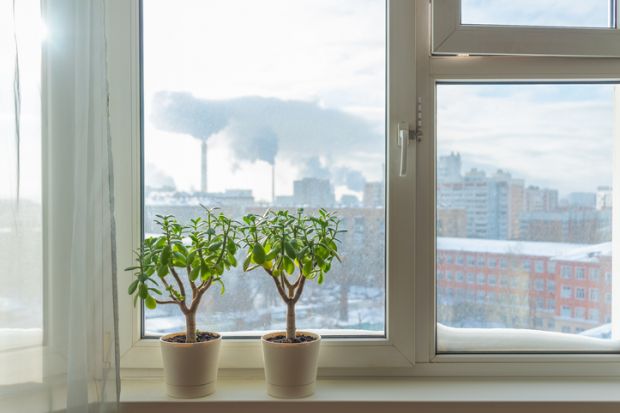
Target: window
[
  {"x": 258, "y": 130},
  {"x": 567, "y": 312},
  {"x": 471, "y": 260},
  {"x": 580, "y": 293},
  {"x": 211, "y": 134},
  {"x": 594, "y": 274},
  {"x": 566, "y": 272},
  {"x": 576, "y": 28},
  {"x": 580, "y": 273},
  {"x": 539, "y": 266},
  {"x": 594, "y": 314},
  {"x": 567, "y": 292},
  {"x": 514, "y": 205},
  {"x": 594, "y": 295},
  {"x": 481, "y": 278},
  {"x": 475, "y": 185},
  {"x": 580, "y": 313},
  {"x": 539, "y": 284},
  {"x": 573, "y": 13},
  {"x": 459, "y": 276}
]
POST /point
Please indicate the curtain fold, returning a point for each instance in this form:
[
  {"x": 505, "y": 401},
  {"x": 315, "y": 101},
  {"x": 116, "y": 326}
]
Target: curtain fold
[{"x": 71, "y": 347}]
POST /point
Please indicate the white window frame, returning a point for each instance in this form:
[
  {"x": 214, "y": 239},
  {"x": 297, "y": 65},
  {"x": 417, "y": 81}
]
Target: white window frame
[
  {"x": 451, "y": 37},
  {"x": 410, "y": 346},
  {"x": 396, "y": 351},
  {"x": 431, "y": 69}
]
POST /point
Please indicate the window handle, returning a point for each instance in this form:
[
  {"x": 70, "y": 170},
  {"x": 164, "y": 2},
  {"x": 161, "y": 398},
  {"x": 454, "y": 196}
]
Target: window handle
[{"x": 404, "y": 136}]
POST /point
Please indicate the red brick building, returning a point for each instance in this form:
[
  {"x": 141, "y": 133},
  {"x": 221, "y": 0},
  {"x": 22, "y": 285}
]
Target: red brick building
[{"x": 541, "y": 285}]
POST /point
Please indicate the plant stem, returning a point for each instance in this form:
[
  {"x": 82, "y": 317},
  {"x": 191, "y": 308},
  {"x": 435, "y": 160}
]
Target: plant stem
[
  {"x": 290, "y": 321},
  {"x": 190, "y": 327}
]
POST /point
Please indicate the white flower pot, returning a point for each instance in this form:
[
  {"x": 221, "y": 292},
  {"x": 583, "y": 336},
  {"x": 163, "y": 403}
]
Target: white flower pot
[
  {"x": 190, "y": 369},
  {"x": 290, "y": 368}
]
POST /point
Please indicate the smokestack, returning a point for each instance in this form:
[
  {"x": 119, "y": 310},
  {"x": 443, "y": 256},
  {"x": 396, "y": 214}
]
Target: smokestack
[
  {"x": 203, "y": 165},
  {"x": 273, "y": 183}
]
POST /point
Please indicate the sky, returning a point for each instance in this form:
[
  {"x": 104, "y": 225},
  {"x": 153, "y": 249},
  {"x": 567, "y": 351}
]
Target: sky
[
  {"x": 570, "y": 13},
  {"x": 311, "y": 72},
  {"x": 321, "y": 65},
  {"x": 557, "y": 136}
]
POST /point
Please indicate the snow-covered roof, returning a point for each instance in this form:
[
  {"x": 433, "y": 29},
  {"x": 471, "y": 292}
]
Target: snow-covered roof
[
  {"x": 557, "y": 250},
  {"x": 589, "y": 253}
]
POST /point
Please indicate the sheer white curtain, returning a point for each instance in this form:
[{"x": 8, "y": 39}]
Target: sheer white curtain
[{"x": 58, "y": 342}]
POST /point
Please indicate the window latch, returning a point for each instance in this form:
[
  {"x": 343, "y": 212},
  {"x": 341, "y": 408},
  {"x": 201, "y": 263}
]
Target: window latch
[{"x": 405, "y": 134}]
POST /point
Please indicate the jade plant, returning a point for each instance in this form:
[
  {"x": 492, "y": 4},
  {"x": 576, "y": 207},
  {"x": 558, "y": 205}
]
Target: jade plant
[
  {"x": 183, "y": 262},
  {"x": 291, "y": 249}
]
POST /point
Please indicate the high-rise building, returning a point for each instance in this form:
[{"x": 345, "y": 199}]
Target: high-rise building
[
  {"x": 374, "y": 195},
  {"x": 581, "y": 200},
  {"x": 313, "y": 192},
  {"x": 492, "y": 204},
  {"x": 538, "y": 199},
  {"x": 449, "y": 167},
  {"x": 603, "y": 197}
]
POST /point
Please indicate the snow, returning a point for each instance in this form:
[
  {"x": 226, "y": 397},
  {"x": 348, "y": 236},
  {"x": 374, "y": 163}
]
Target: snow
[
  {"x": 531, "y": 248},
  {"x": 465, "y": 340}
]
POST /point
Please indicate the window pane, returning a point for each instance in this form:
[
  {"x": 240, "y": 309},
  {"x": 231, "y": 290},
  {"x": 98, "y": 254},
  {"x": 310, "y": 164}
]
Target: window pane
[
  {"x": 567, "y": 13},
  {"x": 525, "y": 181},
  {"x": 274, "y": 104}
]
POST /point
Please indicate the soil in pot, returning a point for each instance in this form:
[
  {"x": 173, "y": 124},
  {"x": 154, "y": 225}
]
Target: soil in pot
[
  {"x": 200, "y": 337},
  {"x": 302, "y": 338}
]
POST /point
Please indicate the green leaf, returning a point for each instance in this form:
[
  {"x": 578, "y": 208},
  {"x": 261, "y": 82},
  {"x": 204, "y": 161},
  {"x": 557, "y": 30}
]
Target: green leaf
[
  {"x": 132, "y": 287},
  {"x": 307, "y": 268},
  {"x": 288, "y": 265},
  {"x": 165, "y": 256},
  {"x": 194, "y": 273},
  {"x": 272, "y": 254},
  {"x": 232, "y": 248},
  {"x": 150, "y": 303},
  {"x": 215, "y": 246},
  {"x": 247, "y": 262},
  {"x": 204, "y": 271},
  {"x": 143, "y": 292},
  {"x": 320, "y": 280},
  {"x": 221, "y": 283},
  {"x": 162, "y": 270},
  {"x": 155, "y": 290},
  {"x": 290, "y": 251},
  {"x": 191, "y": 256},
  {"x": 179, "y": 260},
  {"x": 232, "y": 260},
  {"x": 258, "y": 253},
  {"x": 135, "y": 267}
]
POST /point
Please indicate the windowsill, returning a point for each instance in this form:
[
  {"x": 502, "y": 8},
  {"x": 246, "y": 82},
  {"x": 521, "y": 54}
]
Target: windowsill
[{"x": 400, "y": 394}]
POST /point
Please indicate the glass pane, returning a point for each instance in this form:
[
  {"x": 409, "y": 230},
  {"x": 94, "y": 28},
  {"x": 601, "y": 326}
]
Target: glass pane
[
  {"x": 274, "y": 104},
  {"x": 524, "y": 213},
  {"x": 566, "y": 13}
]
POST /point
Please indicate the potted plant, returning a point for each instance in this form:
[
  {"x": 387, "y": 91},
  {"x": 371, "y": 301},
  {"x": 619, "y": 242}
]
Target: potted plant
[
  {"x": 178, "y": 267},
  {"x": 291, "y": 250}
]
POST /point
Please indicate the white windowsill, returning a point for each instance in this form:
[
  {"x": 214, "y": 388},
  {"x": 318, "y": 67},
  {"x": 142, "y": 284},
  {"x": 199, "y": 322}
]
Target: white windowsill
[{"x": 389, "y": 395}]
